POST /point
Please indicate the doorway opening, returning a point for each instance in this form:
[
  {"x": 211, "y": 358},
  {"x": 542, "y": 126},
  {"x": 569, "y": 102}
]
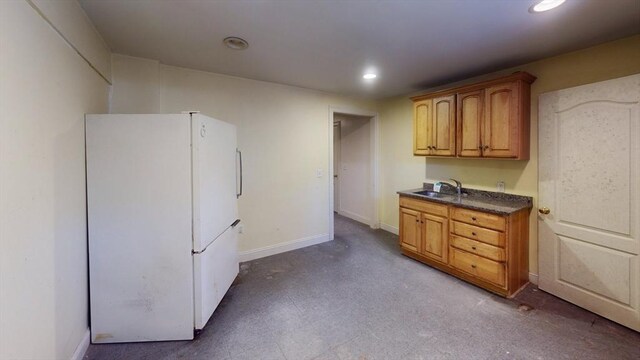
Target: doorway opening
[{"x": 354, "y": 166}]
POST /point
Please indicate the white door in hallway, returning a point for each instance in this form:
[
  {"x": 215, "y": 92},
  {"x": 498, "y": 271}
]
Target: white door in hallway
[
  {"x": 336, "y": 166},
  {"x": 589, "y": 196}
]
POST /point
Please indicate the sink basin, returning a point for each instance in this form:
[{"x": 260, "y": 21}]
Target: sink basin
[
  {"x": 439, "y": 195},
  {"x": 433, "y": 194}
]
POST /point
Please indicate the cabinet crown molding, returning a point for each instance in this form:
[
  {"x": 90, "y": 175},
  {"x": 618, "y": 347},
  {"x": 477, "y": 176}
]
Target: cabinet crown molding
[{"x": 519, "y": 75}]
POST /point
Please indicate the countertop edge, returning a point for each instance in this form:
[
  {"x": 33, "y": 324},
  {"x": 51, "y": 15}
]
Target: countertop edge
[{"x": 516, "y": 207}]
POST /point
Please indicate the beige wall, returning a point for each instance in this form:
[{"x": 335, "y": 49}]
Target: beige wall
[
  {"x": 283, "y": 132},
  {"x": 45, "y": 90},
  {"x": 75, "y": 27},
  {"x": 401, "y": 170},
  {"x": 355, "y": 167}
]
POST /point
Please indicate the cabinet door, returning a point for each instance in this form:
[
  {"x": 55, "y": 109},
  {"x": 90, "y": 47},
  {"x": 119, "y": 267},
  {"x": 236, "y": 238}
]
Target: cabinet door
[
  {"x": 410, "y": 230},
  {"x": 470, "y": 118},
  {"x": 500, "y": 137},
  {"x": 422, "y": 127},
  {"x": 444, "y": 126},
  {"x": 434, "y": 237}
]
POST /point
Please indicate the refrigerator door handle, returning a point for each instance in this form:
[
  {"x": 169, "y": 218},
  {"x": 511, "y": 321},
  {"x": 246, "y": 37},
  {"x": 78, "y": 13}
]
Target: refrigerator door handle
[
  {"x": 240, "y": 158},
  {"x": 233, "y": 225}
]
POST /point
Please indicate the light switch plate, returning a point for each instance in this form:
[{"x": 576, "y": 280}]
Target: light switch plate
[{"x": 319, "y": 173}]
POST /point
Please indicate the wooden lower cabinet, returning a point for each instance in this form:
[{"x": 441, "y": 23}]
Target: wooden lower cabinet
[
  {"x": 434, "y": 237},
  {"x": 410, "y": 229},
  {"x": 424, "y": 230},
  {"x": 485, "y": 249}
]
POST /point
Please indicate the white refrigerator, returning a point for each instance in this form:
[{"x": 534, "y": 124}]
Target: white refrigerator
[{"x": 162, "y": 213}]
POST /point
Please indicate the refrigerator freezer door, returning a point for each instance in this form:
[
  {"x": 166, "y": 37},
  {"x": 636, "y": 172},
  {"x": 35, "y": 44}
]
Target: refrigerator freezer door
[
  {"x": 139, "y": 224},
  {"x": 214, "y": 271},
  {"x": 214, "y": 178}
]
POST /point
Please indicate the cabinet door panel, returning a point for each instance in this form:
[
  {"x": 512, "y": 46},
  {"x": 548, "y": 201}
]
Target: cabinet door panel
[
  {"x": 410, "y": 229},
  {"x": 435, "y": 234},
  {"x": 500, "y": 135},
  {"x": 470, "y": 119},
  {"x": 422, "y": 127},
  {"x": 444, "y": 125}
]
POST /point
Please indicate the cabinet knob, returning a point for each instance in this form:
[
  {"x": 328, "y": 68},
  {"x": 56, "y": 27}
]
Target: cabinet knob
[
  {"x": 474, "y": 234},
  {"x": 473, "y": 247},
  {"x": 480, "y": 147},
  {"x": 544, "y": 210},
  {"x": 486, "y": 147},
  {"x": 473, "y": 218},
  {"x": 473, "y": 266}
]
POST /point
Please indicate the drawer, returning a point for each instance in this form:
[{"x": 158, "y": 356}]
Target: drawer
[
  {"x": 492, "y": 237},
  {"x": 478, "y": 248},
  {"x": 486, "y": 220},
  {"x": 480, "y": 267},
  {"x": 424, "y": 206}
]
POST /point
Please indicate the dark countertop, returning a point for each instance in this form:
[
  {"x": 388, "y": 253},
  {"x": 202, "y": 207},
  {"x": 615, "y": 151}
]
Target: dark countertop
[{"x": 487, "y": 201}]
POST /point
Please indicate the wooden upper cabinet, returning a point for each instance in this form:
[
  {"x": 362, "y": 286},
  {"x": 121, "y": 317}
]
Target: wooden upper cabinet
[
  {"x": 470, "y": 121},
  {"x": 444, "y": 126},
  {"x": 500, "y": 137},
  {"x": 489, "y": 119},
  {"x": 422, "y": 127},
  {"x": 434, "y": 124}
]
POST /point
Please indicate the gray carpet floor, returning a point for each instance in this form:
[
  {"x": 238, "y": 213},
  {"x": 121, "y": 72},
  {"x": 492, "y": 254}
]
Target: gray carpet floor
[{"x": 358, "y": 298}]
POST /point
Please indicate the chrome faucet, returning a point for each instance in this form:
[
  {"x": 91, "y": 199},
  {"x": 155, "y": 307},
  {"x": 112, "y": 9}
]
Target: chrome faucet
[{"x": 458, "y": 186}]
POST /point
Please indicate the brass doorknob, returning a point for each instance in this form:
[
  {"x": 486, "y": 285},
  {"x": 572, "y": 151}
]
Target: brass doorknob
[{"x": 544, "y": 210}]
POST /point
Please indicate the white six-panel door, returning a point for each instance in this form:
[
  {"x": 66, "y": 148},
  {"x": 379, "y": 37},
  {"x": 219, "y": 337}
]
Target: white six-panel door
[{"x": 589, "y": 179}]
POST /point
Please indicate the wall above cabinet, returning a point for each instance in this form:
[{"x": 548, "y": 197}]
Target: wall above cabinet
[{"x": 489, "y": 119}]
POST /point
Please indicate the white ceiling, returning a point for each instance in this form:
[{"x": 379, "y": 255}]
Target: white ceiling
[{"x": 327, "y": 45}]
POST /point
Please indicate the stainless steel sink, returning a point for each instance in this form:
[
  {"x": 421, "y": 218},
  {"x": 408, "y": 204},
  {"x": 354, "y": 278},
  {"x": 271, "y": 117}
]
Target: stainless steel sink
[
  {"x": 433, "y": 194},
  {"x": 439, "y": 195}
]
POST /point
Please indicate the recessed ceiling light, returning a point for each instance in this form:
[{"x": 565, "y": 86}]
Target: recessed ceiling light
[
  {"x": 545, "y": 5},
  {"x": 369, "y": 76},
  {"x": 235, "y": 43}
]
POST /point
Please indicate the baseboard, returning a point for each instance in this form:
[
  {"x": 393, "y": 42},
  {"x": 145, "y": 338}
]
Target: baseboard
[
  {"x": 81, "y": 349},
  {"x": 354, "y": 216},
  {"x": 533, "y": 278},
  {"x": 283, "y": 247},
  {"x": 389, "y": 228}
]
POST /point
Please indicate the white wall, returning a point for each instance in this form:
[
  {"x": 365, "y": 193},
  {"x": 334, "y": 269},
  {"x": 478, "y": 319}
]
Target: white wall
[
  {"x": 73, "y": 24},
  {"x": 45, "y": 90},
  {"x": 283, "y": 132},
  {"x": 355, "y": 168}
]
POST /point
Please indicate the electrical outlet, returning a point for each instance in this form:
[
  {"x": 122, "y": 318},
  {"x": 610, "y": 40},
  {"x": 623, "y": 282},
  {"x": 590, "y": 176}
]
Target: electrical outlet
[
  {"x": 319, "y": 173},
  {"x": 240, "y": 228},
  {"x": 500, "y": 186}
]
